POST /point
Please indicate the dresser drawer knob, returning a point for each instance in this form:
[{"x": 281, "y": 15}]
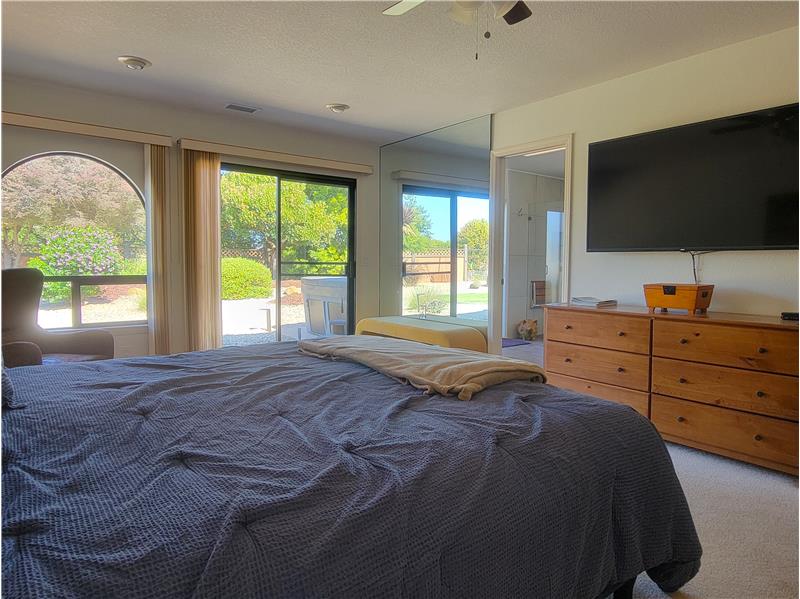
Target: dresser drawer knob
[
  {"x": 567, "y": 326},
  {"x": 758, "y": 438},
  {"x": 762, "y": 350},
  {"x": 684, "y": 341},
  {"x": 620, "y": 369},
  {"x": 621, "y": 334},
  {"x": 682, "y": 381},
  {"x": 568, "y": 359},
  {"x": 681, "y": 419},
  {"x": 760, "y": 394}
]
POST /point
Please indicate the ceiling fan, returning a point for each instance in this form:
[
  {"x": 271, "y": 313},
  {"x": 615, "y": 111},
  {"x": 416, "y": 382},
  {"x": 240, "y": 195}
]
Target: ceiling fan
[{"x": 463, "y": 11}]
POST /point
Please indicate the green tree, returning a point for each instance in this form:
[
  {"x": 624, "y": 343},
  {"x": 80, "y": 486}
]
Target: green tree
[
  {"x": 313, "y": 219},
  {"x": 475, "y": 236},
  {"x": 53, "y": 192},
  {"x": 248, "y": 212},
  {"x": 417, "y": 229},
  {"x": 416, "y": 219}
]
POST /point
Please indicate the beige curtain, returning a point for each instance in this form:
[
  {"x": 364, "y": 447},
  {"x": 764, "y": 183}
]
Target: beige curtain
[
  {"x": 159, "y": 172},
  {"x": 201, "y": 172}
]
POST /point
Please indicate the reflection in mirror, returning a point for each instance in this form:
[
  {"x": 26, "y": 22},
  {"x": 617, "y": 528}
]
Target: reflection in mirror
[
  {"x": 535, "y": 215},
  {"x": 435, "y": 223}
]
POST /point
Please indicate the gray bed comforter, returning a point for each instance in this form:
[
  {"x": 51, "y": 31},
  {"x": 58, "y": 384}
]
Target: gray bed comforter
[{"x": 260, "y": 472}]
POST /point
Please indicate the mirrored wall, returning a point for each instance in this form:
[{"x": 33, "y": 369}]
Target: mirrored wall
[{"x": 435, "y": 223}]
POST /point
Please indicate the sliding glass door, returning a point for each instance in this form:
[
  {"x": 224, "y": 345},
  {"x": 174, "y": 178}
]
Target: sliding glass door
[
  {"x": 287, "y": 255},
  {"x": 472, "y": 253},
  {"x": 315, "y": 268},
  {"x": 445, "y": 252}
]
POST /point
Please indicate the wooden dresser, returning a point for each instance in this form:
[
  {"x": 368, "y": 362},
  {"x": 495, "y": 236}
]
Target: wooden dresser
[{"x": 725, "y": 383}]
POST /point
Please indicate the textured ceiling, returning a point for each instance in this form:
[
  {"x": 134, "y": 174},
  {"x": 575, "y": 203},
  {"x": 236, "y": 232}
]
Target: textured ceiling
[{"x": 401, "y": 75}]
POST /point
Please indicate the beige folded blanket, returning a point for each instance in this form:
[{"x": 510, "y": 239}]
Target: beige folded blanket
[{"x": 435, "y": 369}]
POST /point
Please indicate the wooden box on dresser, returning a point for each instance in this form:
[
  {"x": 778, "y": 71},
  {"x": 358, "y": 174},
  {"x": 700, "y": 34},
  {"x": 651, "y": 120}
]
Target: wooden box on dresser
[{"x": 724, "y": 383}]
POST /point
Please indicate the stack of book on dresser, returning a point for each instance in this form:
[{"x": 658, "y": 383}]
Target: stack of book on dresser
[{"x": 593, "y": 302}]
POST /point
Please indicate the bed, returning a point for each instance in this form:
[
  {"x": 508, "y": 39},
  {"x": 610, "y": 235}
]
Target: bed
[{"x": 261, "y": 472}]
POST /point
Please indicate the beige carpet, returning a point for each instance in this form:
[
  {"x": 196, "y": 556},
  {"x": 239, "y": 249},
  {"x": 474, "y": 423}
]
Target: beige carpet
[{"x": 747, "y": 521}]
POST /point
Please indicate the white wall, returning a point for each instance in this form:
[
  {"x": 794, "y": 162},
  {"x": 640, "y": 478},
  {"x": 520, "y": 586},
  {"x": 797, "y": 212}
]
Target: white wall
[
  {"x": 528, "y": 198},
  {"x": 742, "y": 77},
  {"x": 21, "y": 142},
  {"x": 49, "y": 100}
]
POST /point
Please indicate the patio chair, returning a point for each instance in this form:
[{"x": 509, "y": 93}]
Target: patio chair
[{"x": 25, "y": 343}]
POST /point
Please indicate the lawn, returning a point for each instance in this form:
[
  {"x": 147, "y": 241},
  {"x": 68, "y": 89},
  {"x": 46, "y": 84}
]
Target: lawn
[
  {"x": 469, "y": 297},
  {"x": 438, "y": 294}
]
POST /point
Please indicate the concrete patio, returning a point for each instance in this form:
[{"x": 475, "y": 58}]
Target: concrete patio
[{"x": 245, "y": 322}]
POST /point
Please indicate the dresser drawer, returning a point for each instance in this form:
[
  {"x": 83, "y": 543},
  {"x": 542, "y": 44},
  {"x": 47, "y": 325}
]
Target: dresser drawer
[
  {"x": 638, "y": 400},
  {"x": 763, "y": 393},
  {"x": 735, "y": 433},
  {"x": 742, "y": 347},
  {"x": 610, "y": 331},
  {"x": 601, "y": 365}
]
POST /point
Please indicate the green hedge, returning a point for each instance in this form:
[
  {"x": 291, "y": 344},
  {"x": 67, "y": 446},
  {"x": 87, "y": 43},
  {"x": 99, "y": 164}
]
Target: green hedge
[{"x": 244, "y": 279}]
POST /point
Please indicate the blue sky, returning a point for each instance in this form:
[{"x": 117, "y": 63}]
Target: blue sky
[{"x": 439, "y": 210}]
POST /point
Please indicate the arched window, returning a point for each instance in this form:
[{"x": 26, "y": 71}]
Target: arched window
[{"x": 81, "y": 221}]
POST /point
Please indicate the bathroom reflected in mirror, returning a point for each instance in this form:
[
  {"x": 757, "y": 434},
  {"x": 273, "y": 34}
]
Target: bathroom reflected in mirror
[{"x": 535, "y": 226}]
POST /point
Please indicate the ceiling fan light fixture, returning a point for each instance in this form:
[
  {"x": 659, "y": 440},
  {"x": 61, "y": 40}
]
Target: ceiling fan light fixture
[
  {"x": 519, "y": 11},
  {"x": 337, "y": 108},
  {"x": 134, "y": 63},
  {"x": 464, "y": 11}
]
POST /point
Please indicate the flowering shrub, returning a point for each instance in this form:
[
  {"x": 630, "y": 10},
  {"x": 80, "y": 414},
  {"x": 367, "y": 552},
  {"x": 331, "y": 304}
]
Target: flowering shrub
[
  {"x": 81, "y": 251},
  {"x": 76, "y": 251}
]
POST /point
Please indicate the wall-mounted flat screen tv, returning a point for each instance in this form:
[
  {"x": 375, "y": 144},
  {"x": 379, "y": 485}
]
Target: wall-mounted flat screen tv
[{"x": 725, "y": 184}]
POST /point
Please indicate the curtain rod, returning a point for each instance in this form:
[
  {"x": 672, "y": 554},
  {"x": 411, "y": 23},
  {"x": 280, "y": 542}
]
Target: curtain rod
[
  {"x": 272, "y": 156},
  {"x": 62, "y": 126}
]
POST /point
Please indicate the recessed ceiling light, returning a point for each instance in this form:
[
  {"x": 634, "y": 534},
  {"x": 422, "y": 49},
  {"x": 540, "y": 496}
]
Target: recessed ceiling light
[
  {"x": 337, "y": 108},
  {"x": 134, "y": 63}
]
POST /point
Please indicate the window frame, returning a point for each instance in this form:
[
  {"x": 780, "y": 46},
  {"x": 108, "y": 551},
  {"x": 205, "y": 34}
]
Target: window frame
[
  {"x": 349, "y": 266},
  {"x": 78, "y": 281},
  {"x": 433, "y": 190}
]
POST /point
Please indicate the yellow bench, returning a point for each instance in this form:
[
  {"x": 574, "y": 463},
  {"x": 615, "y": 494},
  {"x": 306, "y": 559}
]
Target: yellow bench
[{"x": 434, "y": 330}]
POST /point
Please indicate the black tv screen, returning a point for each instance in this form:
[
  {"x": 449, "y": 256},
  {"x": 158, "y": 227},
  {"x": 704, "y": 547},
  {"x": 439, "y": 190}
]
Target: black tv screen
[{"x": 725, "y": 184}]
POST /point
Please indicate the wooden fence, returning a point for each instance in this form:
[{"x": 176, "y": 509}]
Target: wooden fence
[
  {"x": 433, "y": 266},
  {"x": 252, "y": 254}
]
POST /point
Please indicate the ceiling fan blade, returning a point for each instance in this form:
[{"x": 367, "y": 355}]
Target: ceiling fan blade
[
  {"x": 516, "y": 12},
  {"x": 464, "y": 11},
  {"x": 402, "y": 7}
]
